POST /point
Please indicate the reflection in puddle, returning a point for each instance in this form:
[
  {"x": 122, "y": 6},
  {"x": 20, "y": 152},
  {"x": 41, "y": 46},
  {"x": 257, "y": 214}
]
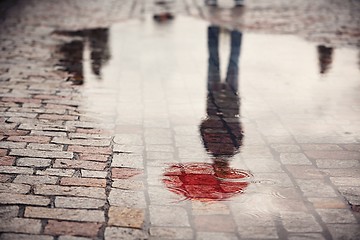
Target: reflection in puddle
[
  {"x": 72, "y": 52},
  {"x": 325, "y": 58},
  {"x": 221, "y": 132}
]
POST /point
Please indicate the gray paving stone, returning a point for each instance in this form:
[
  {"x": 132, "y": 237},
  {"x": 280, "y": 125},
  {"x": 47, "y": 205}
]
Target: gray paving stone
[
  {"x": 50, "y": 190},
  {"x": 14, "y": 188},
  {"x": 40, "y": 153},
  {"x": 344, "y": 231},
  {"x": 316, "y": 188},
  {"x": 300, "y": 222},
  {"x": 9, "y": 211},
  {"x": 128, "y": 160},
  {"x": 35, "y": 179},
  {"x": 93, "y": 174},
  {"x": 15, "y": 236},
  {"x": 20, "y": 225},
  {"x": 33, "y": 162},
  {"x": 78, "y": 202},
  {"x": 14, "y": 198},
  {"x": 336, "y": 215},
  {"x": 334, "y": 163},
  {"x": 171, "y": 233},
  {"x": 113, "y": 233},
  {"x": 56, "y": 172},
  {"x": 127, "y": 198},
  {"x": 294, "y": 158},
  {"x": 305, "y": 236},
  {"x": 216, "y": 236},
  {"x": 65, "y": 214},
  {"x": 167, "y": 216}
]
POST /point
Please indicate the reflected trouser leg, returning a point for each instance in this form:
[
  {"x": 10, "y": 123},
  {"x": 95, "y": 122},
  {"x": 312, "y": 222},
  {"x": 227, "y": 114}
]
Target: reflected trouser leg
[
  {"x": 213, "y": 61},
  {"x": 233, "y": 66}
]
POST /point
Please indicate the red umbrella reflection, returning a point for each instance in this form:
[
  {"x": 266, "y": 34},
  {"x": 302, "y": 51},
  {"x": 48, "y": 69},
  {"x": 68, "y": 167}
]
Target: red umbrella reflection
[{"x": 206, "y": 182}]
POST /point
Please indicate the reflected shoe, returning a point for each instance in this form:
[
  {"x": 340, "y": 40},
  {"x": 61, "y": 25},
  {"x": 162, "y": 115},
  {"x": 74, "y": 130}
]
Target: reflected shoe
[
  {"x": 239, "y": 3},
  {"x": 211, "y": 2}
]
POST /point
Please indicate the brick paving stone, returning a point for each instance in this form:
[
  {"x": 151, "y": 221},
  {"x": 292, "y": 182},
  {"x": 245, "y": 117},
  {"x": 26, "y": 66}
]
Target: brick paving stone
[
  {"x": 171, "y": 233},
  {"x": 20, "y": 225},
  {"x": 127, "y": 198},
  {"x": 14, "y": 198},
  {"x": 126, "y": 217},
  {"x": 76, "y": 164},
  {"x": 112, "y": 233},
  {"x": 9, "y": 211},
  {"x": 56, "y": 190},
  {"x": 13, "y": 236},
  {"x": 127, "y": 161},
  {"x": 78, "y": 202},
  {"x": 14, "y": 188},
  {"x": 56, "y": 172},
  {"x": 33, "y": 162},
  {"x": 72, "y": 228},
  {"x": 45, "y": 127},
  {"x": 11, "y": 132},
  {"x": 93, "y": 174},
  {"x": 34, "y": 139},
  {"x": 88, "y": 136},
  {"x": 35, "y": 179},
  {"x": 90, "y": 150},
  {"x": 83, "y": 142},
  {"x": 65, "y": 214},
  {"x": 7, "y": 161},
  {"x": 57, "y": 117},
  {"x": 87, "y": 182},
  {"x": 167, "y": 216},
  {"x": 40, "y": 153},
  {"x": 125, "y": 173}
]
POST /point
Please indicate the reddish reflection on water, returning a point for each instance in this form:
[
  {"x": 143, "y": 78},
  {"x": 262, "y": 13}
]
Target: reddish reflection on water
[{"x": 205, "y": 181}]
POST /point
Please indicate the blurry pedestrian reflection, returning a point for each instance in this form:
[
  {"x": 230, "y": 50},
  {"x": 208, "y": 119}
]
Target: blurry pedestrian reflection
[
  {"x": 72, "y": 53},
  {"x": 221, "y": 131},
  {"x": 325, "y": 58}
]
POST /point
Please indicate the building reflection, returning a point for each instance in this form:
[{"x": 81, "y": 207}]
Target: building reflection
[
  {"x": 72, "y": 53},
  {"x": 221, "y": 132}
]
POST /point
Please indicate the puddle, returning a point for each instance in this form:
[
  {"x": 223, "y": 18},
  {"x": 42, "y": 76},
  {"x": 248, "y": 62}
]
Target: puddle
[{"x": 217, "y": 114}]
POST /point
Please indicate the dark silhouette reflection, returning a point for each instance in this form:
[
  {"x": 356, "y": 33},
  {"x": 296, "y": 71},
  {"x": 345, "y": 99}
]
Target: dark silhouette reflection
[
  {"x": 72, "y": 52},
  {"x": 325, "y": 58},
  {"x": 221, "y": 133}
]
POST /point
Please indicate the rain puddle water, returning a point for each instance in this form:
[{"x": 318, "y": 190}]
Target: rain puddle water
[{"x": 211, "y": 114}]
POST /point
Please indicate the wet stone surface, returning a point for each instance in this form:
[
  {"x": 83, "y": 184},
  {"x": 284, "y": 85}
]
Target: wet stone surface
[{"x": 201, "y": 123}]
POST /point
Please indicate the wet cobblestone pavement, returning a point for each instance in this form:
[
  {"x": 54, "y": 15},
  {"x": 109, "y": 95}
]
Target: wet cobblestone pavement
[{"x": 221, "y": 123}]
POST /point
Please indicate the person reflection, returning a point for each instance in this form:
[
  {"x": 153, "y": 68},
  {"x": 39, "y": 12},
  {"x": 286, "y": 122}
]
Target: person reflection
[
  {"x": 71, "y": 59},
  {"x": 325, "y": 58},
  {"x": 221, "y": 131}
]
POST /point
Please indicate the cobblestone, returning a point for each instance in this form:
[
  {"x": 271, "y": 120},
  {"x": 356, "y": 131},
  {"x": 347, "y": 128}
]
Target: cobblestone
[
  {"x": 65, "y": 214},
  {"x": 86, "y": 161}
]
